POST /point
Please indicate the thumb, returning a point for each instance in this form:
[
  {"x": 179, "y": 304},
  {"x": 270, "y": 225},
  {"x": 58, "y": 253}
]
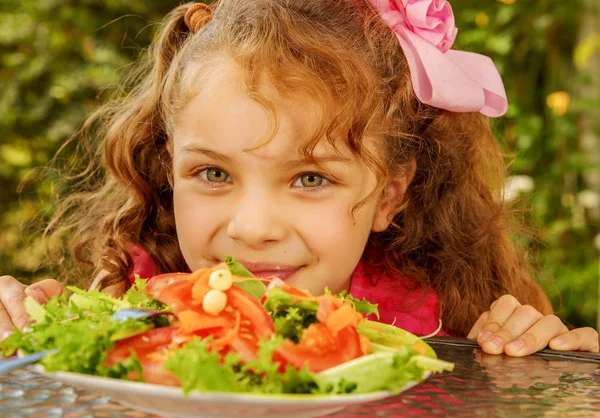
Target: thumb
[{"x": 44, "y": 290}]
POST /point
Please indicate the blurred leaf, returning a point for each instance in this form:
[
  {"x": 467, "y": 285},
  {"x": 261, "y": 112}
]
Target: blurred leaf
[{"x": 585, "y": 50}]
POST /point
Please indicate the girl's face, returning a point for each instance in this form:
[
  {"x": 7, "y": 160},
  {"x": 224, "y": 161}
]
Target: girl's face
[{"x": 270, "y": 209}]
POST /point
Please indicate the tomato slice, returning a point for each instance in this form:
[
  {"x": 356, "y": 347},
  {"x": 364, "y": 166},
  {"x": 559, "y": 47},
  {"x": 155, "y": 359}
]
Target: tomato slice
[
  {"x": 153, "y": 372},
  {"x": 246, "y": 348},
  {"x": 320, "y": 349},
  {"x": 156, "y": 284},
  {"x": 175, "y": 292},
  {"x": 146, "y": 346},
  {"x": 252, "y": 310},
  {"x": 143, "y": 344},
  {"x": 192, "y": 321}
]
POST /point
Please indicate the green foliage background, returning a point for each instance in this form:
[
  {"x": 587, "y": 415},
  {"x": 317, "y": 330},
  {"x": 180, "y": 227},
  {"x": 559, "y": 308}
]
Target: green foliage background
[{"x": 61, "y": 58}]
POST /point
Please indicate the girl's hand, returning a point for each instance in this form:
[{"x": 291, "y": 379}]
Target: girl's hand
[
  {"x": 12, "y": 298},
  {"x": 519, "y": 330}
]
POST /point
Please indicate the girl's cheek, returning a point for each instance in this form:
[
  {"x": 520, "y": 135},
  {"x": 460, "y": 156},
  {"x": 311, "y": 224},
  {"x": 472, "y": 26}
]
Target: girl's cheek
[
  {"x": 193, "y": 211},
  {"x": 193, "y": 219}
]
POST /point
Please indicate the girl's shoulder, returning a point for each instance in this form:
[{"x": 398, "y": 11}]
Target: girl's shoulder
[{"x": 401, "y": 301}]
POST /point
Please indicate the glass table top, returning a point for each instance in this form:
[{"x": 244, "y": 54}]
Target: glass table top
[{"x": 547, "y": 384}]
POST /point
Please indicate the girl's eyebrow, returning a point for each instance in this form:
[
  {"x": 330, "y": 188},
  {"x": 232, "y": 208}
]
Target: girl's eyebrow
[
  {"x": 209, "y": 153},
  {"x": 317, "y": 160}
]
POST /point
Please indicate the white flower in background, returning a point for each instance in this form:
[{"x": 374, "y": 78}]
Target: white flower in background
[
  {"x": 589, "y": 199},
  {"x": 516, "y": 185}
]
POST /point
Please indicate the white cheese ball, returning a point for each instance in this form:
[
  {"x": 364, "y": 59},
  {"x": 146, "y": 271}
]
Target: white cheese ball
[
  {"x": 214, "y": 302},
  {"x": 220, "y": 280}
]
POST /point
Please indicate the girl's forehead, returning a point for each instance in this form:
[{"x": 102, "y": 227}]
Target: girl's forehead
[
  {"x": 221, "y": 80},
  {"x": 225, "y": 113}
]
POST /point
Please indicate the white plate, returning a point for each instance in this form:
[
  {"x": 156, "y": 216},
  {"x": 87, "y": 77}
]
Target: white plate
[{"x": 170, "y": 401}]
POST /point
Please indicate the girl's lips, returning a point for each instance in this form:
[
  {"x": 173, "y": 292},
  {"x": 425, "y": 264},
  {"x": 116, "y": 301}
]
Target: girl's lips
[
  {"x": 283, "y": 275},
  {"x": 263, "y": 270}
]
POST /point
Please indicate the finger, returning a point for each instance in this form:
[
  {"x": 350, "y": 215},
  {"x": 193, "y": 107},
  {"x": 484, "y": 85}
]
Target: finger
[
  {"x": 502, "y": 310},
  {"x": 12, "y": 309},
  {"x": 522, "y": 318},
  {"x": 536, "y": 337},
  {"x": 44, "y": 290},
  {"x": 580, "y": 339},
  {"x": 478, "y": 324}
]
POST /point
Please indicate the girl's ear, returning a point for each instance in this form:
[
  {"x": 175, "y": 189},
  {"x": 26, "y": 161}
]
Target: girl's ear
[
  {"x": 392, "y": 197},
  {"x": 169, "y": 146}
]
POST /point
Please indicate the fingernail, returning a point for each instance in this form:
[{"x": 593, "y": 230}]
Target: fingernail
[
  {"x": 558, "y": 341},
  {"x": 486, "y": 335},
  {"x": 496, "y": 341},
  {"x": 518, "y": 344},
  {"x": 38, "y": 295}
]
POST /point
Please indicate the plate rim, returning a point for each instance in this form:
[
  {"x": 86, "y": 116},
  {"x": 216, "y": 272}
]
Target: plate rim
[{"x": 175, "y": 392}]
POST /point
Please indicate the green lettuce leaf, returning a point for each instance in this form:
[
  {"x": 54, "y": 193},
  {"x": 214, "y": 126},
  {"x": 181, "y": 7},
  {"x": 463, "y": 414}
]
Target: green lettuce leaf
[
  {"x": 34, "y": 309},
  {"x": 199, "y": 369},
  {"x": 100, "y": 302},
  {"x": 137, "y": 297},
  {"x": 254, "y": 288},
  {"x": 290, "y": 317},
  {"x": 361, "y": 306},
  {"x": 373, "y": 372},
  {"x": 95, "y": 301},
  {"x": 236, "y": 268},
  {"x": 393, "y": 337}
]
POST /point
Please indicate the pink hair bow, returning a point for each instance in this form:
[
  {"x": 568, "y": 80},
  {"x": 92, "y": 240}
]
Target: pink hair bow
[{"x": 458, "y": 81}]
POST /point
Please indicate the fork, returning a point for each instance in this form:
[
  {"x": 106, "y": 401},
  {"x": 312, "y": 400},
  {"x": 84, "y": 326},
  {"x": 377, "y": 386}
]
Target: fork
[
  {"x": 7, "y": 366},
  {"x": 137, "y": 313}
]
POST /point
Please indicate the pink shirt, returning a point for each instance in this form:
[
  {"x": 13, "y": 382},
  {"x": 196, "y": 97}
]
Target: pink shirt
[{"x": 401, "y": 301}]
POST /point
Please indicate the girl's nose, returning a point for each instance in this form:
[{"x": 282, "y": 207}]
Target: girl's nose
[{"x": 256, "y": 221}]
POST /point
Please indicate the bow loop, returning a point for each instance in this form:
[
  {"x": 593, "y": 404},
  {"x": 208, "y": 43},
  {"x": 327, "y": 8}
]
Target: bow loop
[{"x": 443, "y": 78}]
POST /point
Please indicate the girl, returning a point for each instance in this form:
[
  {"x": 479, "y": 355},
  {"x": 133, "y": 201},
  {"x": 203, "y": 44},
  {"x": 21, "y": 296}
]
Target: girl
[{"x": 334, "y": 143}]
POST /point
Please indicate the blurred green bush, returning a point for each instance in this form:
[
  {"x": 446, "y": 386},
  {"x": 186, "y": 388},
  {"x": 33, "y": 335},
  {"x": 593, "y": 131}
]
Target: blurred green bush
[{"x": 61, "y": 58}]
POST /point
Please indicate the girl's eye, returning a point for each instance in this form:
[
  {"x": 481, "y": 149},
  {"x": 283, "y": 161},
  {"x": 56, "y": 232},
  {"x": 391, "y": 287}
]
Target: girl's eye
[
  {"x": 214, "y": 175},
  {"x": 310, "y": 180}
]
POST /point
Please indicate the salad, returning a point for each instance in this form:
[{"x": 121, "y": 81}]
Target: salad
[{"x": 226, "y": 331}]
